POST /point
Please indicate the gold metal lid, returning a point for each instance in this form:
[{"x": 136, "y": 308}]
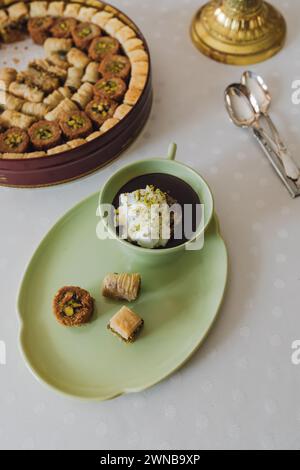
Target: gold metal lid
[{"x": 238, "y": 32}]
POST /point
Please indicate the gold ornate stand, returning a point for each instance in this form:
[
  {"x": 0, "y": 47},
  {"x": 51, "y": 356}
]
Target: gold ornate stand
[{"x": 238, "y": 32}]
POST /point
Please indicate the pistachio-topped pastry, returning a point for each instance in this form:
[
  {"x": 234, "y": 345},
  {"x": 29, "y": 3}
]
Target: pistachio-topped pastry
[
  {"x": 14, "y": 140},
  {"x": 115, "y": 66},
  {"x": 63, "y": 27},
  {"x": 84, "y": 33},
  {"x": 39, "y": 28},
  {"x": 100, "y": 109},
  {"x": 112, "y": 88},
  {"x": 12, "y": 31},
  {"x": 75, "y": 124},
  {"x": 73, "y": 306},
  {"x": 45, "y": 134},
  {"x": 101, "y": 47}
]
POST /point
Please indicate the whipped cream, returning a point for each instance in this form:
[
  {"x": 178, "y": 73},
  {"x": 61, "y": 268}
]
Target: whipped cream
[{"x": 144, "y": 217}]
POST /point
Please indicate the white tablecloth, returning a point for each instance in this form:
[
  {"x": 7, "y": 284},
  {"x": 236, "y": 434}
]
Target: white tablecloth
[{"x": 240, "y": 390}]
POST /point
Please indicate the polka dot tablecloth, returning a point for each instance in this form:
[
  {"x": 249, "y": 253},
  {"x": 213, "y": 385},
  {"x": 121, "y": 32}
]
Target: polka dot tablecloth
[{"x": 241, "y": 389}]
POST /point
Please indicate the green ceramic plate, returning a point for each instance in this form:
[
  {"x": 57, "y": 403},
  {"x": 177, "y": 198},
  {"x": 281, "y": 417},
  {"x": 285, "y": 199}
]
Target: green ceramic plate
[{"x": 179, "y": 303}]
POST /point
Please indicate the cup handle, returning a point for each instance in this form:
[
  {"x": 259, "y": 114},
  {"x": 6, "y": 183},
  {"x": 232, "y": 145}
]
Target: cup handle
[{"x": 172, "y": 151}]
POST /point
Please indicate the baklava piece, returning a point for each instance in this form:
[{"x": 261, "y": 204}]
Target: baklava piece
[
  {"x": 139, "y": 68},
  {"x": 12, "y": 32},
  {"x": 125, "y": 34},
  {"x": 60, "y": 45},
  {"x": 124, "y": 286},
  {"x": 38, "y": 154},
  {"x": 126, "y": 325},
  {"x": 38, "y": 8},
  {"x": 65, "y": 106},
  {"x": 132, "y": 96},
  {"x": 14, "y": 140},
  {"x": 138, "y": 82},
  {"x": 101, "y": 109},
  {"x": 63, "y": 27},
  {"x": 111, "y": 88},
  {"x": 12, "y": 156},
  {"x": 44, "y": 135},
  {"x": 9, "y": 101},
  {"x": 72, "y": 10},
  {"x": 77, "y": 58},
  {"x": 74, "y": 78},
  {"x": 35, "y": 109},
  {"x": 138, "y": 55},
  {"x": 113, "y": 26},
  {"x": 102, "y": 46},
  {"x": 122, "y": 111},
  {"x": 109, "y": 124},
  {"x": 93, "y": 136},
  {"x": 3, "y": 17},
  {"x": 84, "y": 33},
  {"x": 18, "y": 12},
  {"x": 7, "y": 76},
  {"x": 56, "y": 9},
  {"x": 56, "y": 97},
  {"x": 73, "y": 306},
  {"x": 26, "y": 92},
  {"x": 101, "y": 18},
  {"x": 40, "y": 79},
  {"x": 86, "y": 14},
  {"x": 10, "y": 118},
  {"x": 83, "y": 95},
  {"x": 73, "y": 144},
  {"x": 46, "y": 67},
  {"x": 58, "y": 59},
  {"x": 115, "y": 66},
  {"x": 39, "y": 28},
  {"x": 91, "y": 74},
  {"x": 132, "y": 44},
  {"x": 58, "y": 149},
  {"x": 75, "y": 125}
]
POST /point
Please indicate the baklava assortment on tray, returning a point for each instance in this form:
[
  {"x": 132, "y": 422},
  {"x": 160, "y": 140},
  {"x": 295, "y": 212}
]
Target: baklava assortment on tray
[{"x": 94, "y": 72}]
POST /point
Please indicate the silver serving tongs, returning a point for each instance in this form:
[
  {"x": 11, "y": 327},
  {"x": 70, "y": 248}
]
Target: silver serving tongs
[{"x": 247, "y": 104}]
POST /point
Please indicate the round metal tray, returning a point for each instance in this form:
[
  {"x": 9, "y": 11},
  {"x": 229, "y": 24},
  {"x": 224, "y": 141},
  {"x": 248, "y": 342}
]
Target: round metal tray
[{"x": 67, "y": 166}]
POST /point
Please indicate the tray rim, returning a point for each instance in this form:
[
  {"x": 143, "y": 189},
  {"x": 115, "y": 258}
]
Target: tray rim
[{"x": 42, "y": 380}]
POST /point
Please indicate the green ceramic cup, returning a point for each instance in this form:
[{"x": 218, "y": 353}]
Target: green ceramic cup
[{"x": 157, "y": 165}]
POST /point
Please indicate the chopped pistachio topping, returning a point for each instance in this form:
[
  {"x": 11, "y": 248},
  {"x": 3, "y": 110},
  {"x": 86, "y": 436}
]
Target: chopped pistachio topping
[
  {"x": 109, "y": 86},
  {"x": 84, "y": 32},
  {"x": 69, "y": 311},
  {"x": 101, "y": 108},
  {"x": 70, "y": 303},
  {"x": 63, "y": 26},
  {"x": 115, "y": 66},
  {"x": 150, "y": 195},
  {"x": 40, "y": 22},
  {"x": 13, "y": 140},
  {"x": 76, "y": 122},
  {"x": 103, "y": 46},
  {"x": 44, "y": 133}
]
